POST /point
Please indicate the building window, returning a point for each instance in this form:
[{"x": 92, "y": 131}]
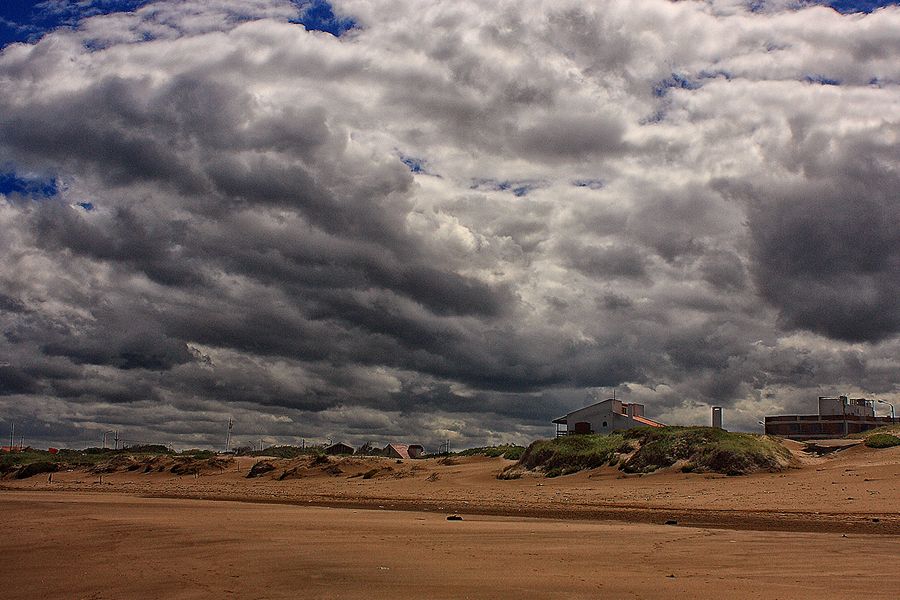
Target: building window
[{"x": 604, "y": 423}]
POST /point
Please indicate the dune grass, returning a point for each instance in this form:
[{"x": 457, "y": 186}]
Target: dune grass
[
  {"x": 573, "y": 453},
  {"x": 704, "y": 449},
  {"x": 648, "y": 449},
  {"x": 508, "y": 451},
  {"x": 882, "y": 440}
]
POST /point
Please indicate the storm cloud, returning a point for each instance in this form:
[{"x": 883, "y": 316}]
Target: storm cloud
[{"x": 452, "y": 221}]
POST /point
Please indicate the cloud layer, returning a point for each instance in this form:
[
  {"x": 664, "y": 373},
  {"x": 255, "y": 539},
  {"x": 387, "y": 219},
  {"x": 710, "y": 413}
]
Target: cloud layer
[{"x": 456, "y": 219}]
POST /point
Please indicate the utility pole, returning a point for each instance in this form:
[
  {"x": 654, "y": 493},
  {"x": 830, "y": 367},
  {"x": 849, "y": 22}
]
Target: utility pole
[
  {"x": 117, "y": 439},
  {"x": 12, "y": 436}
]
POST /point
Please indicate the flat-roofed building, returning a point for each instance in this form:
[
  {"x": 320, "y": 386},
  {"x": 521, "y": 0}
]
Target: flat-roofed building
[{"x": 838, "y": 417}]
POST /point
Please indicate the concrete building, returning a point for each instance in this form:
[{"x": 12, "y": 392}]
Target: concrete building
[
  {"x": 717, "y": 417},
  {"x": 604, "y": 417},
  {"x": 838, "y": 417}
]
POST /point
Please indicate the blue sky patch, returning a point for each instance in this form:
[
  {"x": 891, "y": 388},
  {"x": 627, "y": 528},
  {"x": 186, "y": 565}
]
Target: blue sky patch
[
  {"x": 11, "y": 183},
  {"x": 855, "y": 6},
  {"x": 416, "y": 165},
  {"x": 317, "y": 15},
  {"x": 518, "y": 188},
  {"x": 821, "y": 80},
  {"x": 675, "y": 80},
  {"x": 29, "y": 20}
]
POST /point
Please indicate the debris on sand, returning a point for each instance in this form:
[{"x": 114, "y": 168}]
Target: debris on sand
[
  {"x": 454, "y": 518},
  {"x": 260, "y": 468},
  {"x": 333, "y": 470},
  {"x": 371, "y": 473},
  {"x": 36, "y": 468}
]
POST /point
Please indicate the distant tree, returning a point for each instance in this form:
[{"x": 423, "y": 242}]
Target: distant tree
[{"x": 369, "y": 449}]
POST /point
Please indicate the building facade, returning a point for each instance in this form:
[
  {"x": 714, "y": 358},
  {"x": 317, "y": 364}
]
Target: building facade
[
  {"x": 838, "y": 417},
  {"x": 604, "y": 417}
]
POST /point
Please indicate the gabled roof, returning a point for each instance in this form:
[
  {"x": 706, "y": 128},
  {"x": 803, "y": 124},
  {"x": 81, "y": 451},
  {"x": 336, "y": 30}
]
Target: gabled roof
[
  {"x": 562, "y": 420},
  {"x": 401, "y": 449},
  {"x": 339, "y": 446}
]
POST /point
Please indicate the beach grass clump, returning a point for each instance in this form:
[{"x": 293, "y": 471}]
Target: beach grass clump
[
  {"x": 507, "y": 451},
  {"x": 572, "y": 453},
  {"x": 882, "y": 440},
  {"x": 704, "y": 449},
  {"x": 285, "y": 451},
  {"x": 648, "y": 449}
]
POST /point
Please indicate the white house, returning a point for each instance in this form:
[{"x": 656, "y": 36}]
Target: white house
[{"x": 604, "y": 417}]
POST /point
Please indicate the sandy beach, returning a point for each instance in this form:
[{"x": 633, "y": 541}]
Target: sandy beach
[
  {"x": 106, "y": 546},
  {"x": 829, "y": 529}
]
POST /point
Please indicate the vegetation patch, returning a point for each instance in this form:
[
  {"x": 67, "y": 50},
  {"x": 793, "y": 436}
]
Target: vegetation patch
[
  {"x": 705, "y": 449},
  {"x": 569, "y": 454},
  {"x": 648, "y": 449},
  {"x": 279, "y": 451},
  {"x": 882, "y": 440},
  {"x": 507, "y": 451}
]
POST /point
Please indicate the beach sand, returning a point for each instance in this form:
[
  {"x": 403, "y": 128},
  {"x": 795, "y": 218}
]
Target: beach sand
[{"x": 830, "y": 529}]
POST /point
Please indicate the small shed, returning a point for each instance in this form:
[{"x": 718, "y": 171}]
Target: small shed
[
  {"x": 396, "y": 451},
  {"x": 339, "y": 448}
]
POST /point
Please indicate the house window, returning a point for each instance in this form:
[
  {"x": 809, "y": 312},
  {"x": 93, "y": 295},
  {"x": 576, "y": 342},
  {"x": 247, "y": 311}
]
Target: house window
[{"x": 604, "y": 423}]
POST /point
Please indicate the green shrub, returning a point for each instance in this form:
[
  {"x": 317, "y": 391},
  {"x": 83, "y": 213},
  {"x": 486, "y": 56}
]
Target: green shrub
[
  {"x": 882, "y": 440},
  {"x": 514, "y": 452},
  {"x": 199, "y": 454}
]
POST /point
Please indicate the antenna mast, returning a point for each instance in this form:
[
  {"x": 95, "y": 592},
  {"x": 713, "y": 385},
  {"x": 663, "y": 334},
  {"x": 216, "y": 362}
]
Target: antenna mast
[{"x": 228, "y": 436}]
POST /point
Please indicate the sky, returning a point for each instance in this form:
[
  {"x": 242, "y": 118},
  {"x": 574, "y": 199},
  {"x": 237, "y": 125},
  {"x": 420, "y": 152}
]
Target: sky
[{"x": 396, "y": 220}]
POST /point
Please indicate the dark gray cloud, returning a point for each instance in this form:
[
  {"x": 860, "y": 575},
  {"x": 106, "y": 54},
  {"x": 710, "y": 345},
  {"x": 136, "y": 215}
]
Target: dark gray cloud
[
  {"x": 662, "y": 198},
  {"x": 826, "y": 250}
]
